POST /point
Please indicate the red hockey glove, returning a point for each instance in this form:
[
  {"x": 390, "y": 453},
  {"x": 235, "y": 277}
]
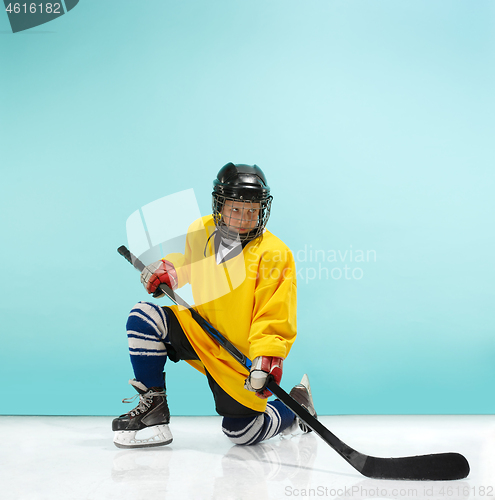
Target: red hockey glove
[
  {"x": 157, "y": 273},
  {"x": 262, "y": 368}
]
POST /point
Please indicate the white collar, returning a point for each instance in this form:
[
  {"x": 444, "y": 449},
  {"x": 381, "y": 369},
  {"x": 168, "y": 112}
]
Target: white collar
[{"x": 225, "y": 248}]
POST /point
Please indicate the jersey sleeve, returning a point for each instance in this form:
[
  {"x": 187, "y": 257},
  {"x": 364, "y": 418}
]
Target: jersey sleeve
[
  {"x": 182, "y": 261},
  {"x": 274, "y": 326}
]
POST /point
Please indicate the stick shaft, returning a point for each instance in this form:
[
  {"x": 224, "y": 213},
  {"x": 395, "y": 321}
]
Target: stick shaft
[{"x": 239, "y": 356}]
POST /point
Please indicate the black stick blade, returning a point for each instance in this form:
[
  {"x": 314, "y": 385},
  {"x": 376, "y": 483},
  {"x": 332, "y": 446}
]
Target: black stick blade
[{"x": 438, "y": 467}]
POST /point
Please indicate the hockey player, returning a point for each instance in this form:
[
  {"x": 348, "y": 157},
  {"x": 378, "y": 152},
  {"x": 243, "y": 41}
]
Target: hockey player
[{"x": 243, "y": 281}]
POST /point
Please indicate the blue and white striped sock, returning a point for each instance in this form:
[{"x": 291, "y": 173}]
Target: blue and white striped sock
[
  {"x": 251, "y": 430},
  {"x": 147, "y": 332}
]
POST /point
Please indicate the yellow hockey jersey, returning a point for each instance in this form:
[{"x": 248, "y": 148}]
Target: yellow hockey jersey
[{"x": 250, "y": 298}]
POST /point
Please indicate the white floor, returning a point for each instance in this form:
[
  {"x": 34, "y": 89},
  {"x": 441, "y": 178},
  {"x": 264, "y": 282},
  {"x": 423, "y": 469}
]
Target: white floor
[{"x": 74, "y": 458}]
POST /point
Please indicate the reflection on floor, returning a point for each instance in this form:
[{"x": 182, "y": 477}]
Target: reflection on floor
[{"x": 73, "y": 458}]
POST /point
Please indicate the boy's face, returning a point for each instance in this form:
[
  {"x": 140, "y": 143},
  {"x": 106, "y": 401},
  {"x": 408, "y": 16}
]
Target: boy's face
[{"x": 241, "y": 216}]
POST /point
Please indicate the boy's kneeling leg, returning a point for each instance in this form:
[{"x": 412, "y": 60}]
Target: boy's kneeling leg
[{"x": 251, "y": 430}]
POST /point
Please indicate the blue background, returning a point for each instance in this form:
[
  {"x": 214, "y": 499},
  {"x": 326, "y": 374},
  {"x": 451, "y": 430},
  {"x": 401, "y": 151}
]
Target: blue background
[{"x": 374, "y": 122}]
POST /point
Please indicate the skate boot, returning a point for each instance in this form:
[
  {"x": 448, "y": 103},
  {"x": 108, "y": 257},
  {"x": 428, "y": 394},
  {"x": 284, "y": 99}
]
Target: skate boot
[
  {"x": 302, "y": 394},
  {"x": 150, "y": 418}
]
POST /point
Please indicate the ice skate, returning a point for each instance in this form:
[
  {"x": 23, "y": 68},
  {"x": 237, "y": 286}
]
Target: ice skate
[
  {"x": 302, "y": 394},
  {"x": 150, "y": 419}
]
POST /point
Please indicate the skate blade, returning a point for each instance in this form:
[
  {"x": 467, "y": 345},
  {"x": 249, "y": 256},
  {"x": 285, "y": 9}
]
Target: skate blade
[{"x": 160, "y": 436}]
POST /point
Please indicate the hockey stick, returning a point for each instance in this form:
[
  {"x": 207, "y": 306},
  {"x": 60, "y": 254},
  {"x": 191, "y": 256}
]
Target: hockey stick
[{"x": 436, "y": 467}]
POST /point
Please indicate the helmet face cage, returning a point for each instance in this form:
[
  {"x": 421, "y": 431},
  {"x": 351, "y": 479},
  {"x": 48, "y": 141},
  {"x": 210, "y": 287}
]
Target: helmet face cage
[{"x": 232, "y": 214}]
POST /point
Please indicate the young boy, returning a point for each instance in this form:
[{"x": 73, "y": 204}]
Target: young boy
[{"x": 243, "y": 281}]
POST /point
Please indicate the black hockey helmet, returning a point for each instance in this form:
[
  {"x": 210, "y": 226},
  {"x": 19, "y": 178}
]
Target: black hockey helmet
[{"x": 241, "y": 183}]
